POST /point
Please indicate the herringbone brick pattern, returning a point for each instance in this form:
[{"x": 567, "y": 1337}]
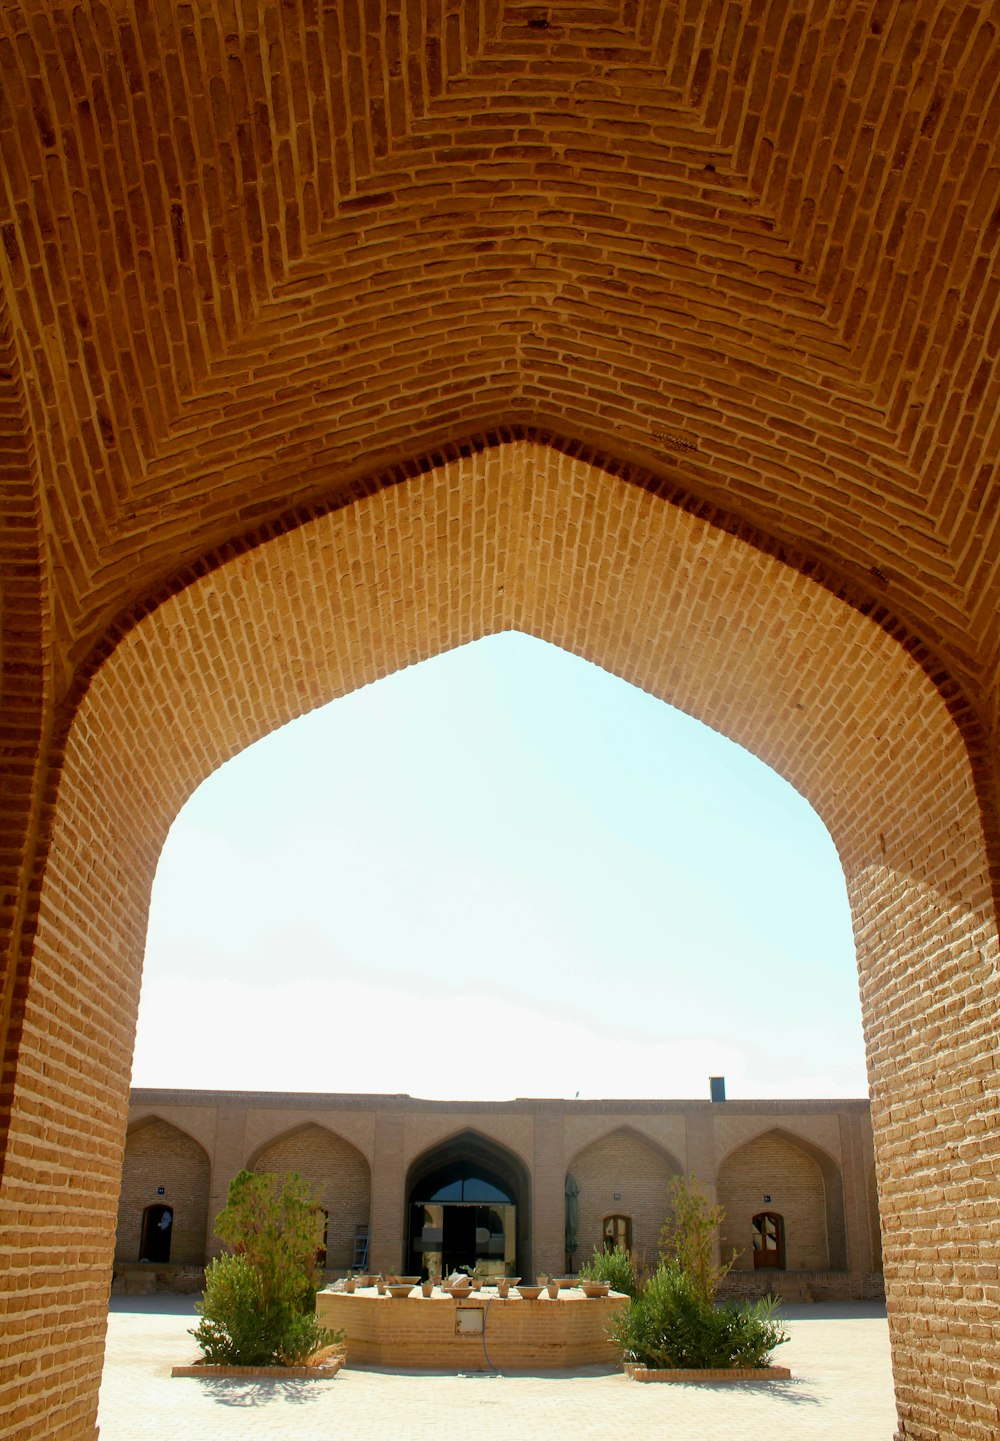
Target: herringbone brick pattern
[{"x": 269, "y": 248}]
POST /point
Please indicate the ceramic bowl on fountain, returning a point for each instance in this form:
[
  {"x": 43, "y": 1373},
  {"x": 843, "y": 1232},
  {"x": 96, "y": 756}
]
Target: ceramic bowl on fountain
[{"x": 530, "y": 1293}]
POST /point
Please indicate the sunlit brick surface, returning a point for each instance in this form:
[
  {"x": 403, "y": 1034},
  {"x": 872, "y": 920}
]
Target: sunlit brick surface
[
  {"x": 340, "y": 1178},
  {"x": 622, "y": 1174},
  {"x": 163, "y": 1166},
  {"x": 772, "y": 1166},
  {"x": 259, "y": 263}
]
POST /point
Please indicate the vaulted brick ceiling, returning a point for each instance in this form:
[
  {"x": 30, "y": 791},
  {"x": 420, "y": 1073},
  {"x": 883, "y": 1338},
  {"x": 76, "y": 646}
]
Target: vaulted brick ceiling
[{"x": 256, "y": 252}]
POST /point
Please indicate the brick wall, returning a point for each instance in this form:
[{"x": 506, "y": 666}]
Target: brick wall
[
  {"x": 773, "y": 1166},
  {"x": 340, "y": 1177},
  {"x": 623, "y": 1175},
  {"x": 159, "y": 1155}
]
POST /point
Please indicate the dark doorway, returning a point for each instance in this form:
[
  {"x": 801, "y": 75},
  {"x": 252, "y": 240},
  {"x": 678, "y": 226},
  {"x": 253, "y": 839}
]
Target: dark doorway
[
  {"x": 157, "y": 1228},
  {"x": 458, "y": 1237}
]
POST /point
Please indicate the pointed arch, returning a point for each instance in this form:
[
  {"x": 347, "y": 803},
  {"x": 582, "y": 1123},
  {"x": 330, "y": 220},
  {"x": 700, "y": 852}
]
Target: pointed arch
[
  {"x": 623, "y": 1173},
  {"x": 163, "y": 1166},
  {"x": 523, "y": 535},
  {"x": 782, "y": 1172},
  {"x": 339, "y": 1175},
  {"x": 625, "y": 1128},
  {"x": 481, "y": 1134},
  {"x": 471, "y": 1155}
]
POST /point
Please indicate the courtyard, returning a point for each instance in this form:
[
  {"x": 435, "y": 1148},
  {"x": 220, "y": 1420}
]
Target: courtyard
[{"x": 841, "y": 1386}]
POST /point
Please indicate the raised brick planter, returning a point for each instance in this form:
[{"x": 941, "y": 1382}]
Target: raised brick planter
[
  {"x": 437, "y": 1332},
  {"x": 723, "y": 1373},
  {"x": 325, "y": 1371}
]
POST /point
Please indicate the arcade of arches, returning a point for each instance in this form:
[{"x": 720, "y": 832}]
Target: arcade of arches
[
  {"x": 665, "y": 332},
  {"x": 426, "y": 1187}
]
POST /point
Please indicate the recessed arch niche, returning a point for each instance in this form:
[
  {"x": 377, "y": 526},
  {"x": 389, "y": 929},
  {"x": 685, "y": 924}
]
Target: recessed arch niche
[
  {"x": 780, "y": 1172},
  {"x": 527, "y": 536},
  {"x": 468, "y": 1202},
  {"x": 623, "y": 1173},
  {"x": 163, "y": 1167},
  {"x": 339, "y": 1175}
]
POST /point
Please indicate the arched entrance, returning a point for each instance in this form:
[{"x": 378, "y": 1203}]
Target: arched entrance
[
  {"x": 468, "y": 1206},
  {"x": 530, "y": 536},
  {"x": 340, "y": 1177},
  {"x": 633, "y": 1213},
  {"x": 164, "y": 1169}
]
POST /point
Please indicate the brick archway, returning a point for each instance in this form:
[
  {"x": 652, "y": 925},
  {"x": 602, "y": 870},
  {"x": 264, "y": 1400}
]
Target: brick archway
[
  {"x": 807, "y": 1189},
  {"x": 163, "y": 1163},
  {"x": 527, "y": 536}
]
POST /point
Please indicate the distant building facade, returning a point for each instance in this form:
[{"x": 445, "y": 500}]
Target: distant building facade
[{"x": 521, "y": 1187}]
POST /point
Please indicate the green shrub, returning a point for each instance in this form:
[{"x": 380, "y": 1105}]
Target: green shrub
[
  {"x": 615, "y": 1267},
  {"x": 671, "y": 1325},
  {"x": 259, "y": 1306},
  {"x": 236, "y": 1328}
]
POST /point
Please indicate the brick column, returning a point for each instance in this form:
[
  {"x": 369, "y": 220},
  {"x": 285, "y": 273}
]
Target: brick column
[
  {"x": 228, "y": 1158},
  {"x": 548, "y": 1196},
  {"x": 385, "y": 1247},
  {"x": 701, "y": 1162},
  {"x": 855, "y": 1174}
]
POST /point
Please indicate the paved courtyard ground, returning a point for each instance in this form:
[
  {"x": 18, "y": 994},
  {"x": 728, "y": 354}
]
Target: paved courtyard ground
[{"x": 839, "y": 1356}]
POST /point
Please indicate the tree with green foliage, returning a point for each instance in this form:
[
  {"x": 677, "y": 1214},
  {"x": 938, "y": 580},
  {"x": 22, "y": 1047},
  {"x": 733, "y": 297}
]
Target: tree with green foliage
[
  {"x": 689, "y": 1238},
  {"x": 259, "y": 1306}
]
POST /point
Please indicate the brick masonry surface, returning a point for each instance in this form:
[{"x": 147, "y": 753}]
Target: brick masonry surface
[
  {"x": 425, "y": 1332},
  {"x": 163, "y": 1166},
  {"x": 771, "y": 1167},
  {"x": 333, "y": 336},
  {"x": 340, "y": 1178},
  {"x": 623, "y": 1175}
]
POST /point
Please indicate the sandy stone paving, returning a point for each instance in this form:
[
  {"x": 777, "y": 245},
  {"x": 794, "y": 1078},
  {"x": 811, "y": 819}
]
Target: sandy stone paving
[{"x": 839, "y": 1356}]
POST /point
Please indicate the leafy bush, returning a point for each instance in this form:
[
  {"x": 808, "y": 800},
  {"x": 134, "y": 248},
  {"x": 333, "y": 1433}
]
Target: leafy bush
[
  {"x": 235, "y": 1329},
  {"x": 671, "y": 1325},
  {"x": 615, "y": 1267},
  {"x": 259, "y": 1303}
]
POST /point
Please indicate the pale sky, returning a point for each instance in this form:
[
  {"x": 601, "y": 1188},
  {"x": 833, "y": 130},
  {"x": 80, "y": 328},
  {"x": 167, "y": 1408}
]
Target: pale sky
[{"x": 500, "y": 873}]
